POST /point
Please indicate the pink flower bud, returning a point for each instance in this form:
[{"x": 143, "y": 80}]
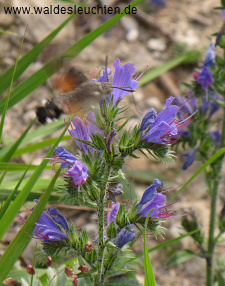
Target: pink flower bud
[
  {"x": 9, "y": 281},
  {"x": 70, "y": 273},
  {"x": 89, "y": 246},
  {"x": 48, "y": 260},
  {"x": 75, "y": 280},
  {"x": 195, "y": 75},
  {"x": 83, "y": 269},
  {"x": 30, "y": 269}
]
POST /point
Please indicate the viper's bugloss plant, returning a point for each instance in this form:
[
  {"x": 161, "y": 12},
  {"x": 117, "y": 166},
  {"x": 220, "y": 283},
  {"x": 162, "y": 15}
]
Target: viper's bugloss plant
[
  {"x": 91, "y": 175},
  {"x": 201, "y": 141}
]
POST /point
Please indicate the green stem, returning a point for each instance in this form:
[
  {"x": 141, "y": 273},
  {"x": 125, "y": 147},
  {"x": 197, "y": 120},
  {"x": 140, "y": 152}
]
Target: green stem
[
  {"x": 213, "y": 188},
  {"x": 99, "y": 278}
]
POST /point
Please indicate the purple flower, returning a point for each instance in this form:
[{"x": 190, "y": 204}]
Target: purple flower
[
  {"x": 148, "y": 119},
  {"x": 209, "y": 56},
  {"x": 48, "y": 226},
  {"x": 209, "y": 104},
  {"x": 216, "y": 137},
  {"x": 67, "y": 158},
  {"x": 205, "y": 78},
  {"x": 154, "y": 201},
  {"x": 189, "y": 158},
  {"x": 122, "y": 78},
  {"x": 149, "y": 194},
  {"x": 125, "y": 236},
  {"x": 165, "y": 126},
  {"x": 83, "y": 129},
  {"x": 112, "y": 215},
  {"x": 77, "y": 171},
  {"x": 155, "y": 204},
  {"x": 159, "y": 2}
]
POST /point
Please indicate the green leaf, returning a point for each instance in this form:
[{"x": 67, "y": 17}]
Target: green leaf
[
  {"x": 11, "y": 197},
  {"x": 180, "y": 257},
  {"x": 202, "y": 168},
  {"x": 161, "y": 245},
  {"x": 11, "y": 167},
  {"x": 21, "y": 240},
  {"x": 37, "y": 146},
  {"x": 14, "y": 208},
  {"x": 149, "y": 275},
  {"x": 37, "y": 134},
  {"x": 10, "y": 87},
  {"x": 154, "y": 73},
  {"x": 14, "y": 147},
  {"x": 29, "y": 57},
  {"x": 39, "y": 77}
]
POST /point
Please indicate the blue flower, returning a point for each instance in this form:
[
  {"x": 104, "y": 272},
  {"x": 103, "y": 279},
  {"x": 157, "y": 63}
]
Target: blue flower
[
  {"x": 148, "y": 119},
  {"x": 159, "y": 2},
  {"x": 114, "y": 211},
  {"x": 68, "y": 159},
  {"x": 77, "y": 171},
  {"x": 162, "y": 128},
  {"x": 125, "y": 236},
  {"x": 210, "y": 56},
  {"x": 150, "y": 192},
  {"x": 205, "y": 78},
  {"x": 216, "y": 137},
  {"x": 154, "y": 202},
  {"x": 209, "y": 104},
  {"x": 83, "y": 129},
  {"x": 189, "y": 158},
  {"x": 48, "y": 226},
  {"x": 122, "y": 78}
]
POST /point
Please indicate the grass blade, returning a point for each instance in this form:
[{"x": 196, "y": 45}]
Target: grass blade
[
  {"x": 11, "y": 167},
  {"x": 14, "y": 147},
  {"x": 149, "y": 275},
  {"x": 23, "y": 237},
  {"x": 155, "y": 72},
  {"x": 12, "y": 211},
  {"x": 39, "y": 77},
  {"x": 37, "y": 134},
  {"x": 29, "y": 57},
  {"x": 202, "y": 168},
  {"x": 12, "y": 195},
  {"x": 37, "y": 146},
  {"x": 161, "y": 245},
  {"x": 10, "y": 87}
]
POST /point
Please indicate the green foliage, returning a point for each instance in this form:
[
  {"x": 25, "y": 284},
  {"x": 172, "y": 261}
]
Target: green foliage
[{"x": 180, "y": 257}]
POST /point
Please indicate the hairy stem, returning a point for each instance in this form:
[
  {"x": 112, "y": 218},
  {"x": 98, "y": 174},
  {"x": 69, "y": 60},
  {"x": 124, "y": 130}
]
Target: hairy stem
[
  {"x": 99, "y": 278},
  {"x": 213, "y": 188}
]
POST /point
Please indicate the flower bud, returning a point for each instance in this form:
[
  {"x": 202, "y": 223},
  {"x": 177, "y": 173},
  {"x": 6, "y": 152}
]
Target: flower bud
[
  {"x": 195, "y": 75},
  {"x": 30, "y": 269},
  {"x": 48, "y": 260},
  {"x": 83, "y": 269},
  {"x": 70, "y": 273},
  {"x": 89, "y": 246},
  {"x": 75, "y": 280},
  {"x": 9, "y": 281}
]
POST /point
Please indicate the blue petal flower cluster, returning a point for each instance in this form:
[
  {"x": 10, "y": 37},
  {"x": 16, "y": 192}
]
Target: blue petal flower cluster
[
  {"x": 205, "y": 77},
  {"x": 82, "y": 130},
  {"x": 50, "y": 226},
  {"x": 122, "y": 78},
  {"x": 162, "y": 128},
  {"x": 77, "y": 171}
]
